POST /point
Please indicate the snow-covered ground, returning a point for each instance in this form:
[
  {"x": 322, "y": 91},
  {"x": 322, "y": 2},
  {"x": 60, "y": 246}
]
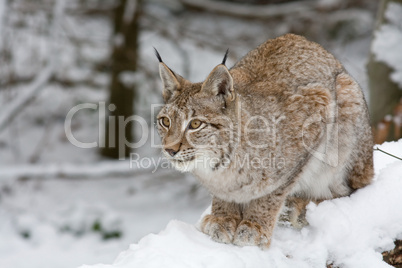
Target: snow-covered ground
[
  {"x": 349, "y": 232},
  {"x": 67, "y": 222}
]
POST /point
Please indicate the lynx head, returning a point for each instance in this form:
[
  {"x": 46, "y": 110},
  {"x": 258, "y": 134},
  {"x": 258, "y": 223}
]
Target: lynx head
[{"x": 194, "y": 124}]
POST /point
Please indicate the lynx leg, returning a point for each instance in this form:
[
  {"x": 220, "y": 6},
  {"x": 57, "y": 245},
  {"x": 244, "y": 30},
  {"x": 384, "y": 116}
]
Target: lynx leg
[
  {"x": 362, "y": 172},
  {"x": 297, "y": 215},
  {"x": 222, "y": 222},
  {"x": 259, "y": 219}
]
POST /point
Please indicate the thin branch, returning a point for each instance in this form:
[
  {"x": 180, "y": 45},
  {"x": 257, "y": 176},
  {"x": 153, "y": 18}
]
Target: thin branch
[
  {"x": 81, "y": 171},
  {"x": 248, "y": 11},
  {"x": 384, "y": 152},
  {"x": 14, "y": 108},
  {"x": 41, "y": 145}
]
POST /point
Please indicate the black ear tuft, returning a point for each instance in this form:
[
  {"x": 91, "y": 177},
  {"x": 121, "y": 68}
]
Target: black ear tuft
[
  {"x": 225, "y": 57},
  {"x": 157, "y": 55}
]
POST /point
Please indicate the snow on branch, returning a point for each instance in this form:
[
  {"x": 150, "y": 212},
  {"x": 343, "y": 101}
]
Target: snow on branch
[
  {"x": 247, "y": 11},
  {"x": 346, "y": 232},
  {"x": 70, "y": 170},
  {"x": 15, "y": 107},
  {"x": 3, "y": 7}
]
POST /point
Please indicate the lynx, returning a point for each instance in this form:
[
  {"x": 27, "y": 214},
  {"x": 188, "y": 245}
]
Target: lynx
[{"x": 286, "y": 124}]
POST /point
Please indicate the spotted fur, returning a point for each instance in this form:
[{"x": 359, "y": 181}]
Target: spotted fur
[{"x": 285, "y": 122}]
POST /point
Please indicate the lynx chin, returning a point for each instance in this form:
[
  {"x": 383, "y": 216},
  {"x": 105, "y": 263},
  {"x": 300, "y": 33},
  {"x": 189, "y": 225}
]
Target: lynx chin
[{"x": 288, "y": 101}]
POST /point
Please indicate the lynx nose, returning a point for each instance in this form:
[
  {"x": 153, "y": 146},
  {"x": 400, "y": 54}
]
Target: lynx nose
[{"x": 171, "y": 152}]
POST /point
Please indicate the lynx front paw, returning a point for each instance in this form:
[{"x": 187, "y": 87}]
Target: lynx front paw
[
  {"x": 221, "y": 229},
  {"x": 250, "y": 233}
]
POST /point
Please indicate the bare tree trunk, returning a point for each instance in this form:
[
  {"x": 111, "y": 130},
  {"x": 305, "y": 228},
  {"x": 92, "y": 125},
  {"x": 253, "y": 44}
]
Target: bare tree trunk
[
  {"x": 124, "y": 59},
  {"x": 384, "y": 93}
]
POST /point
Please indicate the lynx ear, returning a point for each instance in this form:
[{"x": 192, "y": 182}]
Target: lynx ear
[
  {"x": 219, "y": 81},
  {"x": 171, "y": 81}
]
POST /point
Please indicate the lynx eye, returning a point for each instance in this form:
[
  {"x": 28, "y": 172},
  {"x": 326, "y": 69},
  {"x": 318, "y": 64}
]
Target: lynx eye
[
  {"x": 165, "y": 122},
  {"x": 194, "y": 124}
]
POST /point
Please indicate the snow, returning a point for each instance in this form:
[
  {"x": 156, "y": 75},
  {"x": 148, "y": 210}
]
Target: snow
[
  {"x": 348, "y": 232},
  {"x": 387, "y": 41},
  {"x": 50, "y": 223}
]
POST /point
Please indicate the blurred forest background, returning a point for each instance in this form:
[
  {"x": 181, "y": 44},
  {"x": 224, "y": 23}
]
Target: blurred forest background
[{"x": 62, "y": 205}]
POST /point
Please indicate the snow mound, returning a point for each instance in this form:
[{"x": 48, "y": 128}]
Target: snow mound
[{"x": 349, "y": 232}]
